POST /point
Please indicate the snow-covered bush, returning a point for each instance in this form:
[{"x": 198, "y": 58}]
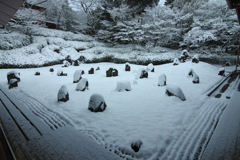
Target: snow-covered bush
[
  {"x": 175, "y": 61},
  {"x": 162, "y": 80},
  {"x": 136, "y": 145},
  {"x": 13, "y": 40},
  {"x": 97, "y": 103},
  {"x": 63, "y": 95},
  {"x": 77, "y": 76},
  {"x": 13, "y": 75},
  {"x": 173, "y": 90},
  {"x": 123, "y": 86},
  {"x": 82, "y": 85}
]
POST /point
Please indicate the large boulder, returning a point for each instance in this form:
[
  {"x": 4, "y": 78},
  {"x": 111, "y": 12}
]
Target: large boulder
[
  {"x": 173, "y": 90},
  {"x": 111, "y": 72},
  {"x": 13, "y": 75},
  {"x": 77, "y": 76},
  {"x": 63, "y": 95},
  {"x": 13, "y": 83},
  {"x": 162, "y": 80},
  {"x": 136, "y": 145},
  {"x": 82, "y": 85},
  {"x": 97, "y": 103},
  {"x": 123, "y": 86}
]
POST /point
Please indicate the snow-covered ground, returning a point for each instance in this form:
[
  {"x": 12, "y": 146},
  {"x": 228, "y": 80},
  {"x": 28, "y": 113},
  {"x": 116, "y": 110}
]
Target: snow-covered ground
[{"x": 145, "y": 113}]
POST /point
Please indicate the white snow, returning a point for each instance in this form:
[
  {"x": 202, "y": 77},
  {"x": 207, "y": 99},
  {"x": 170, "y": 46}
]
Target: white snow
[
  {"x": 82, "y": 85},
  {"x": 123, "y": 86},
  {"x": 162, "y": 80},
  {"x": 176, "y": 91},
  {"x": 145, "y": 113}
]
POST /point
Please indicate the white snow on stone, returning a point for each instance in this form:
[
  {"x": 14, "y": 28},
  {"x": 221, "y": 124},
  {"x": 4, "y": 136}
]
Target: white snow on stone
[
  {"x": 82, "y": 85},
  {"x": 195, "y": 77},
  {"x": 176, "y": 91},
  {"x": 123, "y": 86},
  {"x": 77, "y": 76},
  {"x": 62, "y": 92},
  {"x": 185, "y": 53},
  {"x": 221, "y": 69},
  {"x": 162, "y": 80},
  {"x": 150, "y": 67},
  {"x": 95, "y": 101},
  {"x": 175, "y": 61},
  {"x": 13, "y": 81},
  {"x": 16, "y": 74},
  {"x": 59, "y": 72},
  {"x": 66, "y": 63}
]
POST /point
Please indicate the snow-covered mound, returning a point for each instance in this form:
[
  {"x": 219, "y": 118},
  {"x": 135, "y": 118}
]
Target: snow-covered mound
[
  {"x": 82, "y": 85},
  {"x": 97, "y": 103},
  {"x": 123, "y": 86},
  {"x": 63, "y": 94},
  {"x": 162, "y": 80},
  {"x": 173, "y": 90},
  {"x": 150, "y": 67},
  {"x": 77, "y": 76},
  {"x": 195, "y": 78},
  {"x": 175, "y": 61}
]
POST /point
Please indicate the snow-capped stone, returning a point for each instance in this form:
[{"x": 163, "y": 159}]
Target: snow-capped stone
[
  {"x": 37, "y": 73},
  {"x": 63, "y": 94},
  {"x": 228, "y": 63},
  {"x": 142, "y": 73},
  {"x": 221, "y": 71},
  {"x": 136, "y": 145},
  {"x": 184, "y": 55},
  {"x": 127, "y": 67},
  {"x": 195, "y": 78},
  {"x": 13, "y": 83},
  {"x": 82, "y": 85},
  {"x": 123, "y": 86},
  {"x": 66, "y": 63},
  {"x": 175, "y": 61},
  {"x": 162, "y": 80},
  {"x": 173, "y": 90},
  {"x": 195, "y": 59},
  {"x": 60, "y": 73},
  {"x": 69, "y": 59},
  {"x": 190, "y": 73},
  {"x": 114, "y": 72},
  {"x": 51, "y": 70},
  {"x": 97, "y": 103},
  {"x": 150, "y": 67},
  {"x": 98, "y": 68},
  {"x": 13, "y": 75},
  {"x": 76, "y": 63},
  {"x": 77, "y": 76}
]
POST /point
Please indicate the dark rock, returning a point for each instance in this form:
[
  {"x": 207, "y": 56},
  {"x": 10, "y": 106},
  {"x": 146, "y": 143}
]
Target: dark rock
[
  {"x": 195, "y": 59},
  {"x": 224, "y": 88},
  {"x": 233, "y": 77},
  {"x": 97, "y": 103},
  {"x": 13, "y": 75},
  {"x": 228, "y": 97},
  {"x": 51, "y": 70},
  {"x": 218, "y": 95},
  {"x": 114, "y": 72},
  {"x": 239, "y": 87},
  {"x": 98, "y": 68},
  {"x": 136, "y": 145},
  {"x": 82, "y": 59},
  {"x": 91, "y": 71},
  {"x": 127, "y": 68},
  {"x": 76, "y": 63},
  {"x": 190, "y": 73},
  {"x": 13, "y": 83},
  {"x": 37, "y": 73},
  {"x": 152, "y": 70},
  {"x": 109, "y": 72},
  {"x": 69, "y": 59},
  {"x": 221, "y": 72},
  {"x": 144, "y": 74},
  {"x": 60, "y": 73},
  {"x": 227, "y": 64}
]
